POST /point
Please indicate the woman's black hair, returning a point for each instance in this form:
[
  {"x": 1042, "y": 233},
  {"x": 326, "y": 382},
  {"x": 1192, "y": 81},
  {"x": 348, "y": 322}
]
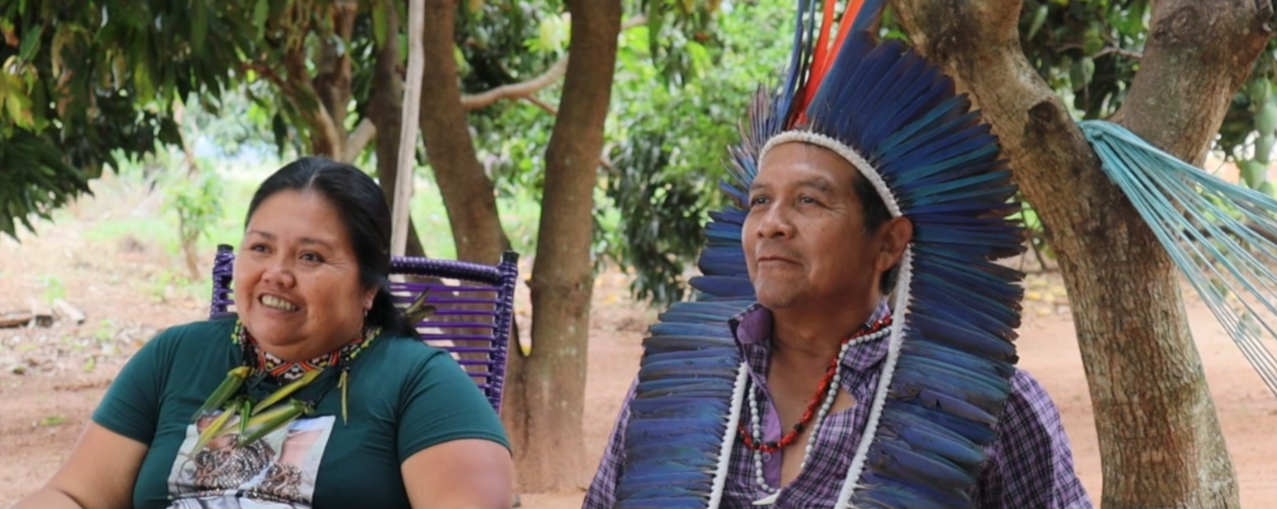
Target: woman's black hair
[{"x": 364, "y": 211}]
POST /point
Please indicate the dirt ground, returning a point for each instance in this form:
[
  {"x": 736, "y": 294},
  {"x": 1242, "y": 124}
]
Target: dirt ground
[{"x": 51, "y": 378}]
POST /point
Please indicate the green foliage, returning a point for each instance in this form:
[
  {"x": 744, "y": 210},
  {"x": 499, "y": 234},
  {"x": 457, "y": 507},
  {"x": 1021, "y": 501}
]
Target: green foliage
[
  {"x": 197, "y": 202},
  {"x": 33, "y": 179},
  {"x": 85, "y": 83},
  {"x": 681, "y": 35},
  {"x": 1087, "y": 50},
  {"x": 502, "y": 43},
  {"x": 669, "y": 150},
  {"x": 677, "y": 97}
]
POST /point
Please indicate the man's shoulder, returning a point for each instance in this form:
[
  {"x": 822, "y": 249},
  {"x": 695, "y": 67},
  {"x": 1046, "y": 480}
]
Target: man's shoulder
[
  {"x": 1028, "y": 402},
  {"x": 1025, "y": 384}
]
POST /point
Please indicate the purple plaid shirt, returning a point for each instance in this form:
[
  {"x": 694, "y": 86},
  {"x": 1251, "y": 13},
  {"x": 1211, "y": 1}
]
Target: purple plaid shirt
[{"x": 1030, "y": 465}]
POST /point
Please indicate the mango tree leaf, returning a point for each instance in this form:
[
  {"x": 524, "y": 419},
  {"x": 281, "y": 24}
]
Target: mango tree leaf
[
  {"x": 379, "y": 22},
  {"x": 199, "y": 26},
  {"x": 30, "y": 43}
]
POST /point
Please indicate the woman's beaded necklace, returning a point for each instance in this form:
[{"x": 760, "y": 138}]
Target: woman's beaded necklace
[
  {"x": 826, "y": 393},
  {"x": 287, "y": 371},
  {"x": 258, "y": 418}
]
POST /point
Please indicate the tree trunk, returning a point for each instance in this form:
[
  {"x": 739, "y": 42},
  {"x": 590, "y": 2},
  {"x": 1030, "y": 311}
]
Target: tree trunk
[
  {"x": 467, "y": 191},
  {"x": 333, "y": 77},
  {"x": 385, "y": 109},
  {"x": 1160, "y": 438},
  {"x": 548, "y": 388},
  {"x": 189, "y": 237}
]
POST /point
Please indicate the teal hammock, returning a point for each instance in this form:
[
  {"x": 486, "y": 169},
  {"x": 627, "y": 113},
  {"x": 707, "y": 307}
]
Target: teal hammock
[{"x": 1212, "y": 230}]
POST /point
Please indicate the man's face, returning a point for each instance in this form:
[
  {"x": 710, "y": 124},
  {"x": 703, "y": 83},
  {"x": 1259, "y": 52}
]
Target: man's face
[{"x": 804, "y": 237}]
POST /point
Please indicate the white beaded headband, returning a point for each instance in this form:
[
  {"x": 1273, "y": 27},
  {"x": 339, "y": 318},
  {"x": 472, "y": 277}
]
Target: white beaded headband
[{"x": 842, "y": 150}]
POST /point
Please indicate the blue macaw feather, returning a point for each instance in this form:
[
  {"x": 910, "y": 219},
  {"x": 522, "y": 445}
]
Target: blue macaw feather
[
  {"x": 1001, "y": 310},
  {"x": 671, "y": 502},
  {"x": 690, "y": 368},
  {"x": 962, "y": 192},
  {"x": 973, "y": 169},
  {"x": 977, "y": 433},
  {"x": 661, "y": 491},
  {"x": 932, "y": 255},
  {"x": 698, "y": 312},
  {"x": 929, "y": 438},
  {"x": 670, "y": 477},
  {"x": 702, "y": 355},
  {"x": 956, "y": 404},
  {"x": 722, "y": 261},
  {"x": 686, "y": 427},
  {"x": 868, "y": 17},
  {"x": 994, "y": 240},
  {"x": 966, "y": 338},
  {"x": 734, "y": 194},
  {"x": 733, "y": 216},
  {"x": 893, "y": 457},
  {"x": 901, "y": 80},
  {"x": 957, "y": 316},
  {"x": 968, "y": 222},
  {"x": 667, "y": 449},
  {"x": 962, "y": 137},
  {"x": 713, "y": 330},
  {"x": 967, "y": 360},
  {"x": 925, "y": 147},
  {"x": 973, "y": 277},
  {"x": 1010, "y": 296},
  {"x": 666, "y": 343},
  {"x": 881, "y": 492},
  {"x": 723, "y": 285},
  {"x": 981, "y": 385},
  {"x": 925, "y": 130},
  {"x": 696, "y": 388}
]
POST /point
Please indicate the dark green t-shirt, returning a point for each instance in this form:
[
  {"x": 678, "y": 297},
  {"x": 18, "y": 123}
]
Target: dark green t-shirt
[{"x": 403, "y": 397}]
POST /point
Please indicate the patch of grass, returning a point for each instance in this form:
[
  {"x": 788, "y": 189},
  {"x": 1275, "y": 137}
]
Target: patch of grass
[
  {"x": 53, "y": 288},
  {"x": 53, "y": 420},
  {"x": 159, "y": 231},
  {"x": 105, "y": 331},
  {"x": 175, "y": 285},
  {"x": 520, "y": 217}
]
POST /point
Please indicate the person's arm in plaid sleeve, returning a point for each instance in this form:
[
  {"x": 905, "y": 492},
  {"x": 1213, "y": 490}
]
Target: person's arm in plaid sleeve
[
  {"x": 1030, "y": 465},
  {"x": 602, "y": 492}
]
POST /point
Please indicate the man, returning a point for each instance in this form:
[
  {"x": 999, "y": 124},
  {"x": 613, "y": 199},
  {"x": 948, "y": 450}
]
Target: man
[{"x": 820, "y": 393}]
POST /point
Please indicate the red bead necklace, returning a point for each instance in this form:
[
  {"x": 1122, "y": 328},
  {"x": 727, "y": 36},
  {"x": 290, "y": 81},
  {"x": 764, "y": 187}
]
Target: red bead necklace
[{"x": 816, "y": 398}]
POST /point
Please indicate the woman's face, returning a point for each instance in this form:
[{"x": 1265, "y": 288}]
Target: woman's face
[{"x": 297, "y": 279}]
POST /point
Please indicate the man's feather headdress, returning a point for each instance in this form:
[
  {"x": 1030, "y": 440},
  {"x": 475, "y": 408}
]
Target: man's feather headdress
[{"x": 897, "y": 119}]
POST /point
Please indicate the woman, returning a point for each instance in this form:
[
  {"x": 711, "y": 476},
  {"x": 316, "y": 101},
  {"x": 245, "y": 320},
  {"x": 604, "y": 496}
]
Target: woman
[{"x": 316, "y": 395}]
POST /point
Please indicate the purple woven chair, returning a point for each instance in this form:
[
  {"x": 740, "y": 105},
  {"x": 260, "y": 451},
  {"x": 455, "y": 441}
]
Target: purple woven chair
[{"x": 472, "y": 318}]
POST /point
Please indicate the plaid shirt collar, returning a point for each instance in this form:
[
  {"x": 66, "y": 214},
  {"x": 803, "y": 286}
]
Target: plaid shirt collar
[{"x": 752, "y": 330}]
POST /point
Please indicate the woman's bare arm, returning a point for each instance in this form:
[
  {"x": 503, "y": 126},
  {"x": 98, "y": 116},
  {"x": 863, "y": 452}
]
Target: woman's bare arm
[
  {"x": 460, "y": 474},
  {"x": 99, "y": 474}
]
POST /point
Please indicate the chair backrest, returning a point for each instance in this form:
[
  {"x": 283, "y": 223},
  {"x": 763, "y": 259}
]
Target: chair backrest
[{"x": 473, "y": 317}]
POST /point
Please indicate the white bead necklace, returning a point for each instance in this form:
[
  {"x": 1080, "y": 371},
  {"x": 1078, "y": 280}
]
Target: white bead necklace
[{"x": 830, "y": 395}]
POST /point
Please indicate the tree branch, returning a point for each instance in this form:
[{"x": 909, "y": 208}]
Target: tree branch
[
  {"x": 549, "y": 108},
  {"x": 325, "y": 137},
  {"x": 526, "y": 89},
  {"x": 516, "y": 90},
  {"x": 358, "y": 140},
  {"x": 1196, "y": 50}
]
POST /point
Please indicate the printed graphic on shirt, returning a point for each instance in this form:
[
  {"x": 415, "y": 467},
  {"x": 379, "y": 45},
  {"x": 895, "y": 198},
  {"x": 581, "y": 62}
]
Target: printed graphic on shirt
[{"x": 274, "y": 472}]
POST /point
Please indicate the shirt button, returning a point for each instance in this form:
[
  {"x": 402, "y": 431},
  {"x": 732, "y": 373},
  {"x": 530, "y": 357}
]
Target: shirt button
[{"x": 767, "y": 456}]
